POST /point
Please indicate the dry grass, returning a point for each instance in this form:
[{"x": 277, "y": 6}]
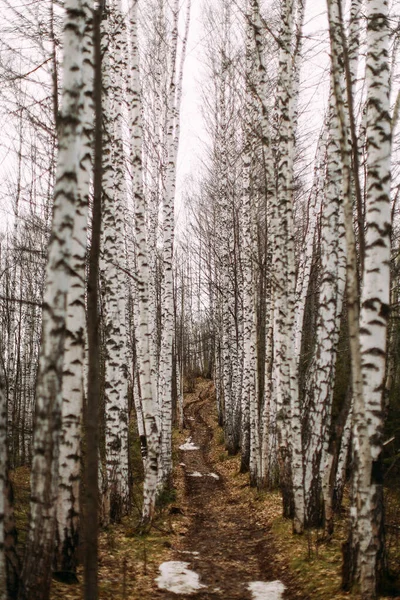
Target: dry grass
[{"x": 128, "y": 563}]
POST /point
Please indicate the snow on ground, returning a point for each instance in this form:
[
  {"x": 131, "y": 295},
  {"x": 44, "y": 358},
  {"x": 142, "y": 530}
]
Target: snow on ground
[
  {"x": 262, "y": 590},
  {"x": 188, "y": 445},
  {"x": 177, "y": 578},
  {"x": 197, "y": 474}
]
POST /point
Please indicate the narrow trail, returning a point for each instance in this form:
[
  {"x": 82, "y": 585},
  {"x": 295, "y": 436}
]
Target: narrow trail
[{"x": 224, "y": 544}]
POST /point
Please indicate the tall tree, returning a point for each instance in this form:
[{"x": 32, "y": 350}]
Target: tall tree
[
  {"x": 367, "y": 544},
  {"x": 145, "y": 356},
  {"x": 173, "y": 102},
  {"x": 92, "y": 412},
  {"x": 36, "y": 575},
  {"x": 113, "y": 282},
  {"x": 290, "y": 446},
  {"x": 68, "y": 503}
]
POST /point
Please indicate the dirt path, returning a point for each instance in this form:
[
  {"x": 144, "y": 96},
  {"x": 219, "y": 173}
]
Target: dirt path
[{"x": 224, "y": 543}]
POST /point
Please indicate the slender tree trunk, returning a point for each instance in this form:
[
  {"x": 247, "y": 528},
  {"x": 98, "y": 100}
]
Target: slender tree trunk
[
  {"x": 68, "y": 508},
  {"x": 167, "y": 333},
  {"x": 145, "y": 356},
  {"x": 321, "y": 375},
  {"x": 290, "y": 448},
  {"x": 363, "y": 547},
  {"x": 36, "y": 576},
  {"x": 91, "y": 414},
  {"x": 113, "y": 283},
  {"x": 375, "y": 299}
]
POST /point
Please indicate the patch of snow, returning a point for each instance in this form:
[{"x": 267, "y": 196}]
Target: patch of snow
[
  {"x": 195, "y": 474},
  {"x": 213, "y": 475},
  {"x": 195, "y": 553},
  {"x": 188, "y": 445},
  {"x": 190, "y": 418},
  {"x": 182, "y": 465},
  {"x": 177, "y": 578},
  {"x": 262, "y": 590}
]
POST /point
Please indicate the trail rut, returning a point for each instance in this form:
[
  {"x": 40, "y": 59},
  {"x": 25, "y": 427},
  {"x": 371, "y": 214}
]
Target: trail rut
[{"x": 224, "y": 544}]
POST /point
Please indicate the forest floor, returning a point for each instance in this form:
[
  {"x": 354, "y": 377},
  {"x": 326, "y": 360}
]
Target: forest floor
[{"x": 222, "y": 534}]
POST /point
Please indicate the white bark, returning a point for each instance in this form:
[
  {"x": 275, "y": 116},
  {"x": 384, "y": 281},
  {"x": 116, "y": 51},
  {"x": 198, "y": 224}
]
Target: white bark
[
  {"x": 44, "y": 475},
  {"x": 284, "y": 278},
  {"x": 361, "y": 447},
  {"x": 321, "y": 376},
  {"x": 113, "y": 282},
  {"x": 172, "y": 143},
  {"x": 375, "y": 295},
  {"x": 249, "y": 365},
  {"x": 262, "y": 424},
  {"x": 343, "y": 457},
  {"x": 68, "y": 505},
  {"x": 145, "y": 356}
]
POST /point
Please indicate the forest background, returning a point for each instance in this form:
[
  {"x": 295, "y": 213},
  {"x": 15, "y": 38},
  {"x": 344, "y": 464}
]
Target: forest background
[{"x": 276, "y": 280}]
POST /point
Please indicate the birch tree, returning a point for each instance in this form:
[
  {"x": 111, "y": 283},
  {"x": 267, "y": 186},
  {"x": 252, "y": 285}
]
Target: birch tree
[
  {"x": 44, "y": 477},
  {"x": 290, "y": 449},
  {"x": 261, "y": 450},
  {"x": 68, "y": 503},
  {"x": 92, "y": 412},
  {"x": 145, "y": 355},
  {"x": 366, "y": 541},
  {"x": 321, "y": 374},
  {"x": 172, "y": 144},
  {"x": 249, "y": 346},
  {"x": 113, "y": 283}
]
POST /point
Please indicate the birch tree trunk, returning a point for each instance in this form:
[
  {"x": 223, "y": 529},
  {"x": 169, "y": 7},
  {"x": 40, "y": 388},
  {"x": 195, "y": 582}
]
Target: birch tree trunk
[
  {"x": 165, "y": 390},
  {"x": 145, "y": 356},
  {"x": 68, "y": 505},
  {"x": 261, "y": 423},
  {"x": 229, "y": 341},
  {"x": 290, "y": 448},
  {"x": 363, "y": 550},
  {"x": 248, "y": 399},
  {"x": 375, "y": 299},
  {"x": 306, "y": 255},
  {"x": 92, "y": 465},
  {"x": 36, "y": 575},
  {"x": 321, "y": 375},
  {"x": 112, "y": 279},
  {"x": 167, "y": 334}
]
